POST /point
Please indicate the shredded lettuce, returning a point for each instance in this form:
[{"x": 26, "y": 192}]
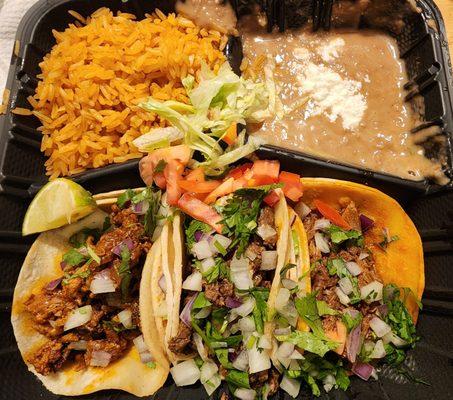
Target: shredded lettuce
[{"x": 158, "y": 138}]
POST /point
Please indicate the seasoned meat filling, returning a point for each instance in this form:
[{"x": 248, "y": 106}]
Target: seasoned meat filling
[
  {"x": 180, "y": 344},
  {"x": 218, "y": 292}
]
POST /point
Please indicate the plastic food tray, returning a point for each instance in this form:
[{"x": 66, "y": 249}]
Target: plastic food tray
[{"x": 425, "y": 50}]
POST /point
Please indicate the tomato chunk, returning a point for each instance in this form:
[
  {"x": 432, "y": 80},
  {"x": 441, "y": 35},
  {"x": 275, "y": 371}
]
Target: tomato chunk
[
  {"x": 231, "y": 134},
  {"x": 159, "y": 180},
  {"x": 221, "y": 190},
  {"x": 266, "y": 172},
  {"x": 200, "y": 211},
  {"x": 272, "y": 198},
  {"x": 199, "y": 187},
  {"x": 292, "y": 186},
  {"x": 237, "y": 172},
  {"x": 173, "y": 173},
  {"x": 331, "y": 214},
  {"x": 196, "y": 175}
]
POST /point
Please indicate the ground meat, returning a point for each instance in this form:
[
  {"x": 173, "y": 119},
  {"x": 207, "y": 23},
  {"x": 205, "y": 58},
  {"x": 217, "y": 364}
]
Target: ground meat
[
  {"x": 309, "y": 223},
  {"x": 75, "y": 289},
  {"x": 259, "y": 379},
  {"x": 180, "y": 343},
  {"x": 217, "y": 292},
  {"x": 253, "y": 253},
  {"x": 259, "y": 280},
  {"x": 266, "y": 220},
  {"x": 113, "y": 344},
  {"x": 351, "y": 216},
  {"x": 273, "y": 382},
  {"x": 329, "y": 323},
  {"x": 50, "y": 357}
]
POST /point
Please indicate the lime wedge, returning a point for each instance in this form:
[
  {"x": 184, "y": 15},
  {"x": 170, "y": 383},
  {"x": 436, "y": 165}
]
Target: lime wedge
[{"x": 58, "y": 203}]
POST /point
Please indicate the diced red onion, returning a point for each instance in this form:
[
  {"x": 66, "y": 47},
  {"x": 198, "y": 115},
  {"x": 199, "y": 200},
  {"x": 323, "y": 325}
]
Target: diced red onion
[
  {"x": 353, "y": 343},
  {"x": 102, "y": 282},
  {"x": 363, "y": 255},
  {"x": 200, "y": 346},
  {"x": 259, "y": 360},
  {"x": 78, "y": 317},
  {"x": 362, "y": 370},
  {"x": 383, "y": 310},
  {"x": 268, "y": 260},
  {"x": 241, "y": 361},
  {"x": 290, "y": 386},
  {"x": 52, "y": 285},
  {"x": 185, "y": 373},
  {"x": 63, "y": 265},
  {"x": 379, "y": 327},
  {"x": 345, "y": 300},
  {"x": 371, "y": 292},
  {"x": 126, "y": 243},
  {"x": 125, "y": 317},
  {"x": 285, "y": 350},
  {"x": 139, "y": 343},
  {"x": 100, "y": 358},
  {"x": 321, "y": 224},
  {"x": 185, "y": 313},
  {"x": 202, "y": 249},
  {"x": 353, "y": 313},
  {"x": 289, "y": 284},
  {"x": 321, "y": 243},
  {"x": 193, "y": 282},
  {"x": 233, "y": 302},
  {"x": 245, "y": 394},
  {"x": 198, "y": 235},
  {"x": 365, "y": 222},
  {"x": 302, "y": 209},
  {"x": 353, "y": 268},
  {"x": 378, "y": 351},
  {"x": 80, "y": 345},
  {"x": 346, "y": 285},
  {"x": 162, "y": 282},
  {"x": 141, "y": 207},
  {"x": 266, "y": 232}
]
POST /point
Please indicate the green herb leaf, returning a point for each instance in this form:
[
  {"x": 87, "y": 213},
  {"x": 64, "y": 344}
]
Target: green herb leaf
[
  {"x": 324, "y": 309},
  {"x": 79, "y": 239},
  {"x": 260, "y": 309},
  {"x": 200, "y": 302},
  {"x": 220, "y": 270},
  {"x": 74, "y": 258},
  {"x": 195, "y": 226},
  {"x": 309, "y": 341},
  {"x": 93, "y": 255},
  {"x": 339, "y": 235},
  {"x": 151, "y": 364},
  {"x": 124, "y": 198},
  {"x": 222, "y": 356},
  {"x": 238, "y": 379},
  {"x": 286, "y": 268},
  {"x": 350, "y": 322},
  {"x": 160, "y": 166}
]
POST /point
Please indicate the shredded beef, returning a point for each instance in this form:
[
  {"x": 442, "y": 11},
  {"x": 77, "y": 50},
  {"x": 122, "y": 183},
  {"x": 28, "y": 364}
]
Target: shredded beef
[
  {"x": 113, "y": 344},
  {"x": 273, "y": 382},
  {"x": 267, "y": 219},
  {"x": 180, "y": 343},
  {"x": 258, "y": 379},
  {"x": 253, "y": 253},
  {"x": 218, "y": 292},
  {"x": 351, "y": 216},
  {"x": 50, "y": 357}
]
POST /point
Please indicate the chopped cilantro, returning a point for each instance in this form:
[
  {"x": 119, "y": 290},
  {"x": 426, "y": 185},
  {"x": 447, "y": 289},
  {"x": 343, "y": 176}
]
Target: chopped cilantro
[
  {"x": 74, "y": 258},
  {"x": 339, "y": 235},
  {"x": 152, "y": 198},
  {"x": 295, "y": 238},
  {"x": 261, "y": 296},
  {"x": 79, "y": 239},
  {"x": 151, "y": 364},
  {"x": 93, "y": 255},
  {"x": 81, "y": 274},
  {"x": 324, "y": 309},
  {"x": 336, "y": 266},
  {"x": 200, "y": 302},
  {"x": 222, "y": 356},
  {"x": 238, "y": 379},
  {"x": 286, "y": 268},
  {"x": 118, "y": 327},
  {"x": 160, "y": 166},
  {"x": 195, "y": 226},
  {"x": 124, "y": 271},
  {"x": 220, "y": 270},
  {"x": 124, "y": 198},
  {"x": 309, "y": 341},
  {"x": 387, "y": 239},
  {"x": 351, "y": 322}
]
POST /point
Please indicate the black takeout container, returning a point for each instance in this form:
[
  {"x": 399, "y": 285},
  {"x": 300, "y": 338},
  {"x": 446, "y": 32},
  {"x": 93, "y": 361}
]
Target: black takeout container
[{"x": 423, "y": 46}]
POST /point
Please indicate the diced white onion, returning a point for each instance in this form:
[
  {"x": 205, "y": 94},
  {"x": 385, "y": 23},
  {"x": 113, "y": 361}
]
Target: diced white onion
[
  {"x": 268, "y": 260},
  {"x": 294, "y": 365},
  {"x": 203, "y": 313},
  {"x": 282, "y": 299},
  {"x": 100, "y": 358},
  {"x": 302, "y": 209},
  {"x": 245, "y": 394},
  {"x": 240, "y": 273},
  {"x": 78, "y": 317},
  {"x": 379, "y": 327},
  {"x": 346, "y": 285},
  {"x": 379, "y": 350},
  {"x": 372, "y": 292},
  {"x": 200, "y": 346},
  {"x": 193, "y": 282},
  {"x": 185, "y": 373},
  {"x": 296, "y": 355},
  {"x": 251, "y": 255},
  {"x": 242, "y": 361},
  {"x": 289, "y": 284},
  {"x": 396, "y": 340},
  {"x": 329, "y": 382},
  {"x": 290, "y": 386},
  {"x": 139, "y": 343},
  {"x": 125, "y": 317},
  {"x": 79, "y": 345},
  {"x": 223, "y": 241},
  {"x": 102, "y": 283},
  {"x": 259, "y": 360},
  {"x": 245, "y": 308},
  {"x": 212, "y": 385},
  {"x": 285, "y": 350},
  {"x": 374, "y": 374},
  {"x": 247, "y": 324},
  {"x": 265, "y": 342},
  {"x": 202, "y": 249},
  {"x": 363, "y": 255},
  {"x": 266, "y": 232},
  {"x": 207, "y": 264},
  {"x": 208, "y": 370},
  {"x": 285, "y": 362},
  {"x": 353, "y": 268},
  {"x": 321, "y": 243},
  {"x": 321, "y": 224},
  {"x": 342, "y": 297},
  {"x": 282, "y": 331}
]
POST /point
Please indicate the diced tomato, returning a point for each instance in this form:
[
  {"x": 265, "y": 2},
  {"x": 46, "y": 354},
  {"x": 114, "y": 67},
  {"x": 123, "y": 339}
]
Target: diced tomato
[
  {"x": 222, "y": 190},
  {"x": 199, "y": 187},
  {"x": 159, "y": 180},
  {"x": 265, "y": 172},
  {"x": 272, "y": 198},
  {"x": 237, "y": 172},
  {"x": 182, "y": 153},
  {"x": 230, "y": 135},
  {"x": 331, "y": 214},
  {"x": 200, "y": 211},
  {"x": 173, "y": 173},
  {"x": 292, "y": 186},
  {"x": 196, "y": 175}
]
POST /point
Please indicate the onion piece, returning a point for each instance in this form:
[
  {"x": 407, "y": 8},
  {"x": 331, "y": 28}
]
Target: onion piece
[
  {"x": 207, "y": 371},
  {"x": 242, "y": 361},
  {"x": 363, "y": 255},
  {"x": 78, "y": 317},
  {"x": 246, "y": 308},
  {"x": 365, "y": 222},
  {"x": 126, "y": 243},
  {"x": 302, "y": 209},
  {"x": 396, "y": 340},
  {"x": 329, "y": 382},
  {"x": 203, "y": 313},
  {"x": 163, "y": 283},
  {"x": 371, "y": 292},
  {"x": 321, "y": 243},
  {"x": 379, "y": 327},
  {"x": 233, "y": 302},
  {"x": 353, "y": 343},
  {"x": 285, "y": 350},
  {"x": 185, "y": 373},
  {"x": 202, "y": 250},
  {"x": 290, "y": 386},
  {"x": 245, "y": 394},
  {"x": 282, "y": 331},
  {"x": 266, "y": 232},
  {"x": 52, "y": 285},
  {"x": 268, "y": 260},
  {"x": 259, "y": 360},
  {"x": 139, "y": 343},
  {"x": 125, "y": 317},
  {"x": 282, "y": 299},
  {"x": 240, "y": 273},
  {"x": 200, "y": 346},
  {"x": 223, "y": 242},
  {"x": 379, "y": 350},
  {"x": 321, "y": 224},
  {"x": 289, "y": 284},
  {"x": 141, "y": 207},
  {"x": 212, "y": 385},
  {"x": 362, "y": 370},
  {"x": 207, "y": 264},
  {"x": 353, "y": 268},
  {"x": 185, "y": 313},
  {"x": 100, "y": 358},
  {"x": 246, "y": 324},
  {"x": 296, "y": 355},
  {"x": 345, "y": 300},
  {"x": 102, "y": 282},
  {"x": 345, "y": 285},
  {"x": 265, "y": 342},
  {"x": 79, "y": 345},
  {"x": 193, "y": 282}
]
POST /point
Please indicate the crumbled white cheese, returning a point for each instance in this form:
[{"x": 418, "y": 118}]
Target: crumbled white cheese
[
  {"x": 329, "y": 51},
  {"x": 332, "y": 95}
]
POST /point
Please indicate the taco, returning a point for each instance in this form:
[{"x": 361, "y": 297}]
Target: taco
[
  {"x": 367, "y": 278},
  {"x": 76, "y": 307}
]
